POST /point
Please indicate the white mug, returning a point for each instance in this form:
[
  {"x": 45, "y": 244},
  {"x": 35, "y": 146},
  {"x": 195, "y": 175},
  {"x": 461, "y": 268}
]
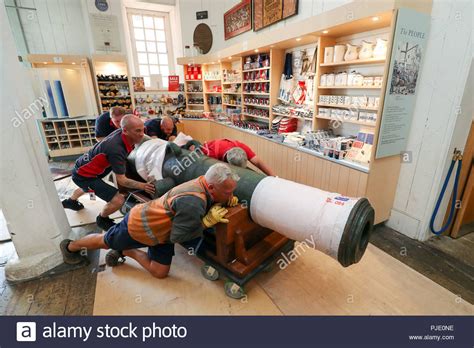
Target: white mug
[{"x": 328, "y": 54}]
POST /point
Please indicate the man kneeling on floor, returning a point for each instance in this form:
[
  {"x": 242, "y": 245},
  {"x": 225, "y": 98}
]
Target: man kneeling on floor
[
  {"x": 179, "y": 216},
  {"x": 108, "y": 155}
]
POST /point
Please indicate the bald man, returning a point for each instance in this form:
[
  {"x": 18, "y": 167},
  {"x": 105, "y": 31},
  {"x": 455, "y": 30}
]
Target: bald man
[
  {"x": 163, "y": 128},
  {"x": 108, "y": 155}
]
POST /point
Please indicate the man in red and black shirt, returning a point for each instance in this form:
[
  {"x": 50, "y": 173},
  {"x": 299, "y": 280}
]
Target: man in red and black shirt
[
  {"x": 108, "y": 155},
  {"x": 235, "y": 153},
  {"x": 108, "y": 122}
]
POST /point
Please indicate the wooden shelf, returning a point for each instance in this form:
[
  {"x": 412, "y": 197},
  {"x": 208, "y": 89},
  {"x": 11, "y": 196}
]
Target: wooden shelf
[
  {"x": 231, "y": 83},
  {"x": 213, "y": 80},
  {"x": 116, "y": 97},
  {"x": 290, "y": 116},
  {"x": 257, "y": 105},
  {"x": 368, "y": 124},
  {"x": 256, "y": 93},
  {"x": 254, "y": 116},
  {"x": 234, "y": 93},
  {"x": 227, "y": 104},
  {"x": 348, "y": 87},
  {"x": 349, "y": 107},
  {"x": 192, "y": 80},
  {"x": 256, "y": 81},
  {"x": 212, "y": 92},
  {"x": 356, "y": 62},
  {"x": 194, "y": 92},
  {"x": 258, "y": 69},
  {"x": 114, "y": 82},
  {"x": 195, "y": 104}
]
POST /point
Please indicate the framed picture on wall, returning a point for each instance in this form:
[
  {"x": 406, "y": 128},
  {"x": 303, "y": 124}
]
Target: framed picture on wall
[
  {"x": 238, "y": 19},
  {"x": 268, "y": 12}
]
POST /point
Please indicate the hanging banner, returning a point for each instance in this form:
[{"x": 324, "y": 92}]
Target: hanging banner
[
  {"x": 173, "y": 83},
  {"x": 408, "y": 50}
]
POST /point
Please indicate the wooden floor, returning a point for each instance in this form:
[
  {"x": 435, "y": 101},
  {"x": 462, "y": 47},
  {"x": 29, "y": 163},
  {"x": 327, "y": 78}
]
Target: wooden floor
[
  {"x": 447, "y": 261},
  {"x": 314, "y": 284}
]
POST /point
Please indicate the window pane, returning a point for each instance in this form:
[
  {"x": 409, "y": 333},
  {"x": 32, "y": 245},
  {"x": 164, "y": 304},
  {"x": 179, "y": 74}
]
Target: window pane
[
  {"x": 152, "y": 58},
  {"x": 160, "y": 35},
  {"x": 159, "y": 23},
  {"x": 141, "y": 46},
  {"x": 164, "y": 70},
  {"x": 148, "y": 22},
  {"x": 147, "y": 81},
  {"x": 150, "y": 35},
  {"x": 139, "y": 34},
  {"x": 154, "y": 69},
  {"x": 144, "y": 70},
  {"x": 161, "y": 47},
  {"x": 165, "y": 82},
  {"x": 151, "y": 47},
  {"x": 163, "y": 59},
  {"x": 142, "y": 58},
  {"x": 137, "y": 21}
]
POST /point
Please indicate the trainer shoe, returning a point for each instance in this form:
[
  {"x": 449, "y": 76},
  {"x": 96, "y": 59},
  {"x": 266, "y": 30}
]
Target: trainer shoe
[
  {"x": 72, "y": 204},
  {"x": 104, "y": 222},
  {"x": 69, "y": 257},
  {"x": 114, "y": 258}
]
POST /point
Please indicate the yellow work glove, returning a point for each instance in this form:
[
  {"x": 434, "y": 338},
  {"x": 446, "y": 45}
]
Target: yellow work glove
[
  {"x": 233, "y": 201},
  {"x": 215, "y": 215}
]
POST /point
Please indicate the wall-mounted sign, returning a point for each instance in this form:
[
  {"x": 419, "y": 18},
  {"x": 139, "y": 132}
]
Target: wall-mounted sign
[
  {"x": 408, "y": 50},
  {"x": 201, "y": 15},
  {"x": 101, "y": 5},
  {"x": 173, "y": 83},
  {"x": 105, "y": 31}
]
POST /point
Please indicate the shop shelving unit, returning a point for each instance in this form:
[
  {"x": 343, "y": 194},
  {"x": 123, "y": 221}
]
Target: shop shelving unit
[
  {"x": 193, "y": 80},
  {"x": 376, "y": 180},
  {"x": 120, "y": 91},
  {"x": 66, "y": 137}
]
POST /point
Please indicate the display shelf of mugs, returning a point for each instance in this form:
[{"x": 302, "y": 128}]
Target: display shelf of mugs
[
  {"x": 356, "y": 62},
  {"x": 365, "y": 63},
  {"x": 348, "y": 106}
]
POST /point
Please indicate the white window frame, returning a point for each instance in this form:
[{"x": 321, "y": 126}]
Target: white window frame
[{"x": 168, "y": 36}]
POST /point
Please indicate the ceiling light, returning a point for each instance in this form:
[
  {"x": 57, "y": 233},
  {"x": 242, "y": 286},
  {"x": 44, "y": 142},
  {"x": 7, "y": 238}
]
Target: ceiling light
[
  {"x": 325, "y": 31},
  {"x": 298, "y": 39},
  {"x": 256, "y": 50},
  {"x": 45, "y": 62},
  {"x": 73, "y": 63},
  {"x": 230, "y": 57},
  {"x": 375, "y": 19}
]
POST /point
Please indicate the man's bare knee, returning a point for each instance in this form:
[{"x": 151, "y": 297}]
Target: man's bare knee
[{"x": 158, "y": 270}]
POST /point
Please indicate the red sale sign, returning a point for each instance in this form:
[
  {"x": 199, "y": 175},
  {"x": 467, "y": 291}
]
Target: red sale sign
[{"x": 173, "y": 83}]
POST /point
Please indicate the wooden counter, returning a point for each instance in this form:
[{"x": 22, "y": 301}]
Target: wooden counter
[{"x": 308, "y": 168}]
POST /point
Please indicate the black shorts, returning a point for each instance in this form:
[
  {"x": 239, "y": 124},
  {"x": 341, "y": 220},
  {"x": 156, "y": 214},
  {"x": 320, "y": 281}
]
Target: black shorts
[
  {"x": 99, "y": 186},
  {"x": 118, "y": 238}
]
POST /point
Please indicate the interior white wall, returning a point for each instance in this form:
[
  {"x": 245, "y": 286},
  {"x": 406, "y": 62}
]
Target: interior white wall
[
  {"x": 56, "y": 27},
  {"x": 216, "y": 10},
  {"x": 439, "y": 122}
]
